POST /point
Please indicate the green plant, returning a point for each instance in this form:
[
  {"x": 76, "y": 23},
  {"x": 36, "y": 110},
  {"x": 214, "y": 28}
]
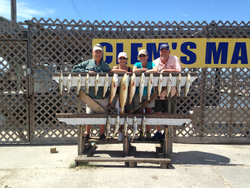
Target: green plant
[{"x": 72, "y": 165}]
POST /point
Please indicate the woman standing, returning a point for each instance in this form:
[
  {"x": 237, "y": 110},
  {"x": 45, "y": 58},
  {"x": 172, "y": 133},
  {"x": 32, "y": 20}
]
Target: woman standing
[
  {"x": 122, "y": 68},
  {"x": 147, "y": 67}
]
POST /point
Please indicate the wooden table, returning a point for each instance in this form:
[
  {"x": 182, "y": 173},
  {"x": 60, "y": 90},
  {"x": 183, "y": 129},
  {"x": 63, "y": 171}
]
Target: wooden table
[{"x": 85, "y": 148}]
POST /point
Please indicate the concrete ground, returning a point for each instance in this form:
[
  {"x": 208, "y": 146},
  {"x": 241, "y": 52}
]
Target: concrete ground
[{"x": 194, "y": 165}]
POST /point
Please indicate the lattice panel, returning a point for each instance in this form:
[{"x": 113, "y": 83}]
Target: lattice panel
[
  {"x": 13, "y": 64},
  {"x": 12, "y": 31},
  {"x": 14, "y": 127},
  {"x": 13, "y": 93},
  {"x": 219, "y": 98}
]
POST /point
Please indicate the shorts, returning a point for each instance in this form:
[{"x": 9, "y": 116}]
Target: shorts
[
  {"x": 144, "y": 98},
  {"x": 102, "y": 102},
  {"x": 162, "y": 105}
]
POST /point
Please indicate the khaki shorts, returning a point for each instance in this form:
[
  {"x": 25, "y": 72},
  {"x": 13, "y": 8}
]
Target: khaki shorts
[
  {"x": 102, "y": 102},
  {"x": 144, "y": 98}
]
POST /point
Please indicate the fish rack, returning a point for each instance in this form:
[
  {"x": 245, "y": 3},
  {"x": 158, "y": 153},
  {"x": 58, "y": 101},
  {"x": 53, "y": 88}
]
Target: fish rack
[{"x": 86, "y": 148}]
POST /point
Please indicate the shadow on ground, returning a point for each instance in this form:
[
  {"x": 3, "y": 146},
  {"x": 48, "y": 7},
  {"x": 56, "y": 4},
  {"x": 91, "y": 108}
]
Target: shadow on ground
[{"x": 201, "y": 158}]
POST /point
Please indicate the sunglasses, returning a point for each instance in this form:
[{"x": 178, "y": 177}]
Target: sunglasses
[
  {"x": 142, "y": 55},
  {"x": 122, "y": 58}
]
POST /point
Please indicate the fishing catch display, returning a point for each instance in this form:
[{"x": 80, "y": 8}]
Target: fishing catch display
[{"x": 124, "y": 84}]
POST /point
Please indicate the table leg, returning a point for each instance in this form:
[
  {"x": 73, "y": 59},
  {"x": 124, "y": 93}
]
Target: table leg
[
  {"x": 165, "y": 142},
  {"x": 81, "y": 140}
]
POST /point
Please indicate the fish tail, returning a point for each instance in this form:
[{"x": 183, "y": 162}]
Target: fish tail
[{"x": 110, "y": 102}]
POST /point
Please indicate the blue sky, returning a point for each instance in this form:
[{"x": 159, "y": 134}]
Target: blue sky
[{"x": 130, "y": 10}]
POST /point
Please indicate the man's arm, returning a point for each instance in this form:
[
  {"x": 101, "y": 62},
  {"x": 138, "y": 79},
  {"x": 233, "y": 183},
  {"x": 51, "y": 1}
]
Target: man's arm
[
  {"x": 81, "y": 67},
  {"x": 169, "y": 70}
]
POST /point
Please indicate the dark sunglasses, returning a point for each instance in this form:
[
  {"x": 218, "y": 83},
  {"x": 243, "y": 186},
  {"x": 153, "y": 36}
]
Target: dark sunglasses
[
  {"x": 142, "y": 55},
  {"x": 122, "y": 58}
]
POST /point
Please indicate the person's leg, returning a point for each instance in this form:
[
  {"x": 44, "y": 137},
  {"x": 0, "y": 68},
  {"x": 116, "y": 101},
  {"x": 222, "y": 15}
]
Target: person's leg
[
  {"x": 158, "y": 110},
  {"x": 88, "y": 127},
  {"x": 102, "y": 127},
  {"x": 148, "y": 111},
  {"x": 173, "y": 104},
  {"x": 104, "y": 104}
]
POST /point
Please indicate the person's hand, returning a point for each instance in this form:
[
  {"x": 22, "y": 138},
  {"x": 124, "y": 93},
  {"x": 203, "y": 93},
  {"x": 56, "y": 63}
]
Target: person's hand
[{"x": 91, "y": 71}]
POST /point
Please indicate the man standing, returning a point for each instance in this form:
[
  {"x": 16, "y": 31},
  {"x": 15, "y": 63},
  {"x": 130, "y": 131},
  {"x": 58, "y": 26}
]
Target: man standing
[
  {"x": 166, "y": 63},
  {"x": 95, "y": 65}
]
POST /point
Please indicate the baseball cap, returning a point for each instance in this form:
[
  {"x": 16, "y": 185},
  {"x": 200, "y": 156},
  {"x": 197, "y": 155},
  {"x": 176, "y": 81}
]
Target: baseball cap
[
  {"x": 122, "y": 54},
  {"x": 142, "y": 52},
  {"x": 165, "y": 46},
  {"x": 97, "y": 47}
]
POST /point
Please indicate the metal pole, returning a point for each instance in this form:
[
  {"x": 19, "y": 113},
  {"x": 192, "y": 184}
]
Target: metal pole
[{"x": 13, "y": 11}]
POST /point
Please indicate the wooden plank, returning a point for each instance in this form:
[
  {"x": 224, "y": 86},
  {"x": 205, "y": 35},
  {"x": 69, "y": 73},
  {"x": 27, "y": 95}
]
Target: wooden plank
[
  {"x": 66, "y": 74},
  {"x": 145, "y": 104},
  {"x": 156, "y": 116},
  {"x": 170, "y": 139},
  {"x": 115, "y": 141},
  {"x": 74, "y": 78},
  {"x": 92, "y": 103},
  {"x": 150, "y": 121},
  {"x": 80, "y": 137},
  {"x": 165, "y": 142},
  {"x": 122, "y": 159}
]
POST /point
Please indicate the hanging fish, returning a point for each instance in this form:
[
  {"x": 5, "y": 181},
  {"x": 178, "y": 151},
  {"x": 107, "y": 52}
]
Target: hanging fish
[
  {"x": 160, "y": 84},
  {"x": 141, "y": 87},
  {"x": 150, "y": 85},
  {"x": 132, "y": 88},
  {"x": 178, "y": 85},
  {"x": 69, "y": 83},
  {"x": 117, "y": 125},
  {"x": 107, "y": 127},
  {"x": 187, "y": 85},
  {"x": 143, "y": 125},
  {"x": 61, "y": 84},
  {"x": 106, "y": 84},
  {"x": 79, "y": 84},
  {"x": 87, "y": 83},
  {"x": 134, "y": 128},
  {"x": 113, "y": 88},
  {"x": 123, "y": 92},
  {"x": 169, "y": 84},
  {"x": 97, "y": 82}
]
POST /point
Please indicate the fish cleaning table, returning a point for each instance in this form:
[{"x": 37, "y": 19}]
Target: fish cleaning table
[{"x": 86, "y": 148}]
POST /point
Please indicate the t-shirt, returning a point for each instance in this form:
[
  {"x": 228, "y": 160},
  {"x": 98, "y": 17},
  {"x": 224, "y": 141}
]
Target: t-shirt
[
  {"x": 90, "y": 65},
  {"x": 150, "y": 65},
  {"x": 172, "y": 63}
]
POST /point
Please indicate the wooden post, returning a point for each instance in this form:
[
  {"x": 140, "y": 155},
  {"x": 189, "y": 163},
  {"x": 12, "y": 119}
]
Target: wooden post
[
  {"x": 13, "y": 11},
  {"x": 165, "y": 142},
  {"x": 81, "y": 141},
  {"x": 169, "y": 151}
]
